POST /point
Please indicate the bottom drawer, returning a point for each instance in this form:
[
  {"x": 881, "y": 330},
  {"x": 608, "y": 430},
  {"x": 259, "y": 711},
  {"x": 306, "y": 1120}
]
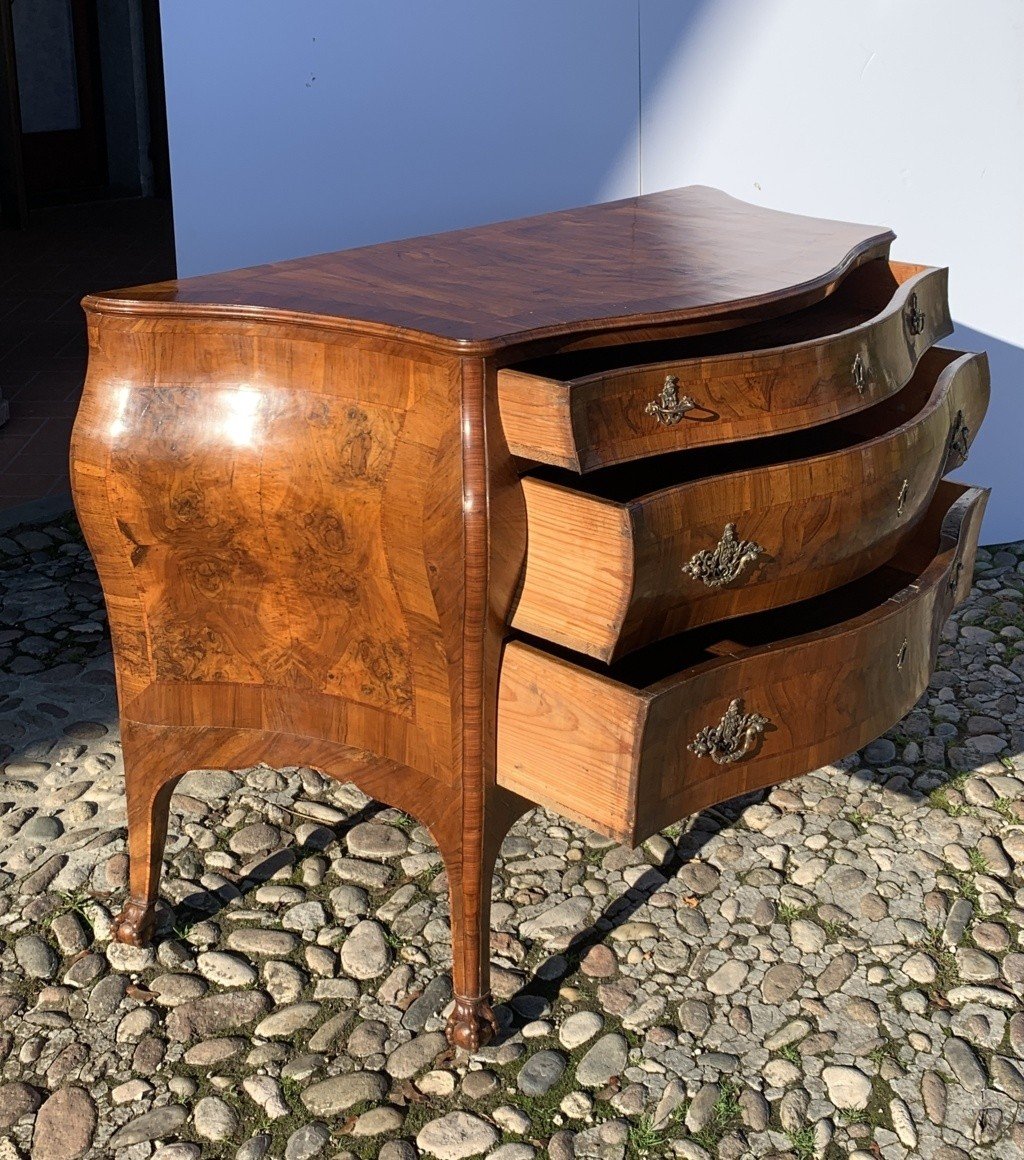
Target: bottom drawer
[{"x": 698, "y": 719}]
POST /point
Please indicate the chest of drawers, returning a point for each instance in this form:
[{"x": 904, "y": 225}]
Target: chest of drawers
[{"x": 623, "y": 510}]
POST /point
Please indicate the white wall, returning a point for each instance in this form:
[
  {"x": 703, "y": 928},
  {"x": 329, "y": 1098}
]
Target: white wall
[
  {"x": 298, "y": 126},
  {"x": 908, "y": 113},
  {"x": 316, "y": 124}
]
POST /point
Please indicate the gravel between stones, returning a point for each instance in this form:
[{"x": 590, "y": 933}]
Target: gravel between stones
[{"x": 830, "y": 969}]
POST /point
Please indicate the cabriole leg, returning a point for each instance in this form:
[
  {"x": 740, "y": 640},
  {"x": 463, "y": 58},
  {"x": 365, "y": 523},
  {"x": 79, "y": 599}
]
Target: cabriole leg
[
  {"x": 149, "y": 799},
  {"x": 469, "y": 854}
]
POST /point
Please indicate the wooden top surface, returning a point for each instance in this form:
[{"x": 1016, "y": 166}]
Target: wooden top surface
[{"x": 681, "y": 254}]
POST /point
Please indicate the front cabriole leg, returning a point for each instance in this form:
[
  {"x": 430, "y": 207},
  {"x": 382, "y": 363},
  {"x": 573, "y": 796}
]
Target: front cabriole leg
[{"x": 149, "y": 787}]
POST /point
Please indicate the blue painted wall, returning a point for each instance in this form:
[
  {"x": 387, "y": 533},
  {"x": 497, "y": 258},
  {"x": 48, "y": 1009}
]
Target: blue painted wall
[{"x": 313, "y": 125}]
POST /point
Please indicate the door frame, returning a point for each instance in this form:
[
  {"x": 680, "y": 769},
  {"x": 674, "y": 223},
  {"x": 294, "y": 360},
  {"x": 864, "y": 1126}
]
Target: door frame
[{"x": 13, "y": 194}]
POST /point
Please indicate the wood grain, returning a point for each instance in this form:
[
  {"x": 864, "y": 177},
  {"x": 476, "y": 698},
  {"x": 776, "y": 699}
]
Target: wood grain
[
  {"x": 691, "y": 253},
  {"x": 821, "y": 520},
  {"x": 291, "y": 531},
  {"x": 585, "y": 411},
  {"x": 609, "y": 748}
]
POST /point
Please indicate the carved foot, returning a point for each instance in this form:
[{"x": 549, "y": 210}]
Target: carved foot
[
  {"x": 136, "y": 924},
  {"x": 471, "y": 1024}
]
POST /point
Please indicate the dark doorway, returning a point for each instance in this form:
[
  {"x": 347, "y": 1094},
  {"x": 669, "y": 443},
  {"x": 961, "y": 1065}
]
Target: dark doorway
[
  {"x": 82, "y": 112},
  {"x": 84, "y": 206}
]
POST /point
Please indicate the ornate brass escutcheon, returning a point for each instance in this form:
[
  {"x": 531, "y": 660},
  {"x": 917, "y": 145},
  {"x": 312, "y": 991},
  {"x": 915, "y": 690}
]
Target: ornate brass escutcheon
[
  {"x": 669, "y": 407},
  {"x": 733, "y": 738},
  {"x": 860, "y": 373},
  {"x": 960, "y": 437},
  {"x": 718, "y": 566},
  {"x": 913, "y": 316}
]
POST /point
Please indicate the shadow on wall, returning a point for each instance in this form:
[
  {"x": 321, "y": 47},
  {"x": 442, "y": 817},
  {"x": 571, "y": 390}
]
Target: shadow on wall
[{"x": 996, "y": 456}]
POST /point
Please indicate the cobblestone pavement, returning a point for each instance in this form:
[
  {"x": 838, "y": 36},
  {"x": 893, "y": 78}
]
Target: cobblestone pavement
[{"x": 830, "y": 969}]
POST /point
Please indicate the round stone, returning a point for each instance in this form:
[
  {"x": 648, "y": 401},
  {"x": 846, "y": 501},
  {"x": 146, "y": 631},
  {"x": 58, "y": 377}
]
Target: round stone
[
  {"x": 599, "y": 962},
  {"x": 226, "y": 970},
  {"x": 365, "y": 954},
  {"x": 209, "y": 784},
  {"x": 329, "y": 1097},
  {"x": 417, "y": 1054},
  {"x": 36, "y": 957},
  {"x": 540, "y": 1073},
  {"x": 255, "y": 839},
  {"x": 306, "y": 917},
  {"x": 284, "y": 1022},
  {"x": 306, "y": 1142},
  {"x": 42, "y": 828},
  {"x": 880, "y": 752},
  {"x": 848, "y": 1088},
  {"x": 607, "y": 1058},
  {"x": 213, "y": 1119},
  {"x": 349, "y": 901},
  {"x": 17, "y": 1100},
  {"x": 154, "y": 1125},
  {"x": 728, "y": 978},
  {"x": 274, "y": 943},
  {"x": 65, "y": 1125},
  {"x": 373, "y": 840},
  {"x": 377, "y": 1121},
  {"x": 579, "y": 1028},
  {"x": 211, "y": 1052},
  {"x": 172, "y": 990},
  {"x": 780, "y": 982},
  {"x": 456, "y": 1136}
]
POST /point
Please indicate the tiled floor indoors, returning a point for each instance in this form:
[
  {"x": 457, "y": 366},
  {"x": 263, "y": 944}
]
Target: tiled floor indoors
[{"x": 45, "y": 270}]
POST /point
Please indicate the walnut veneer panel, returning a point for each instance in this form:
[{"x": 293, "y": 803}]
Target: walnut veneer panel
[
  {"x": 683, "y": 254},
  {"x": 848, "y": 352},
  {"x": 615, "y": 753}
]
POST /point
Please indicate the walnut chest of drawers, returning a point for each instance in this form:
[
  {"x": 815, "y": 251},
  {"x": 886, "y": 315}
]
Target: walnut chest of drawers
[{"x": 623, "y": 510}]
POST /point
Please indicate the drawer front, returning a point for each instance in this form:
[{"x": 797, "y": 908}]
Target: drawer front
[
  {"x": 631, "y": 412},
  {"x": 629, "y": 759},
  {"x": 728, "y": 545}
]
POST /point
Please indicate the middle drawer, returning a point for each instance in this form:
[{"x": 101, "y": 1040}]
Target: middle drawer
[{"x": 635, "y": 553}]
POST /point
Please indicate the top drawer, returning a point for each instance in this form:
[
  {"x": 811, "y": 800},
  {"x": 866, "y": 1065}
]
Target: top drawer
[{"x": 593, "y": 408}]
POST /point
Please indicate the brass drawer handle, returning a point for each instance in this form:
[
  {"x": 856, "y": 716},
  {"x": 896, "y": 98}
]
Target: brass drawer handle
[
  {"x": 901, "y": 500},
  {"x": 960, "y": 437},
  {"x": 914, "y": 317},
  {"x": 733, "y": 738},
  {"x": 718, "y": 566},
  {"x": 669, "y": 407},
  {"x": 860, "y": 373}
]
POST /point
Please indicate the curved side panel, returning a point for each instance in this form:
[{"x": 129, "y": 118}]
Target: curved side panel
[{"x": 277, "y": 517}]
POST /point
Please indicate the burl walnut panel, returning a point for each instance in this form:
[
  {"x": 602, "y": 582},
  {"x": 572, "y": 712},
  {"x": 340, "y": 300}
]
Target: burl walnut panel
[{"x": 308, "y": 524}]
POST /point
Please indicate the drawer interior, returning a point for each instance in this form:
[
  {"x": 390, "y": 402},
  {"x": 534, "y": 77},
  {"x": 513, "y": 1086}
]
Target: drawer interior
[
  {"x": 862, "y": 295},
  {"x": 665, "y": 659},
  {"x": 626, "y": 482}
]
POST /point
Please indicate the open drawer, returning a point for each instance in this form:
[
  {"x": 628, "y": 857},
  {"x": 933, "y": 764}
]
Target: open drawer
[
  {"x": 592, "y": 408},
  {"x": 663, "y": 545},
  {"x": 698, "y": 719}
]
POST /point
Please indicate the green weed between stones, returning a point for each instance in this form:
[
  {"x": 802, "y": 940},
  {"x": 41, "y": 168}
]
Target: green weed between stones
[
  {"x": 802, "y": 1143},
  {"x": 645, "y": 1139},
  {"x": 724, "y": 1117}
]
